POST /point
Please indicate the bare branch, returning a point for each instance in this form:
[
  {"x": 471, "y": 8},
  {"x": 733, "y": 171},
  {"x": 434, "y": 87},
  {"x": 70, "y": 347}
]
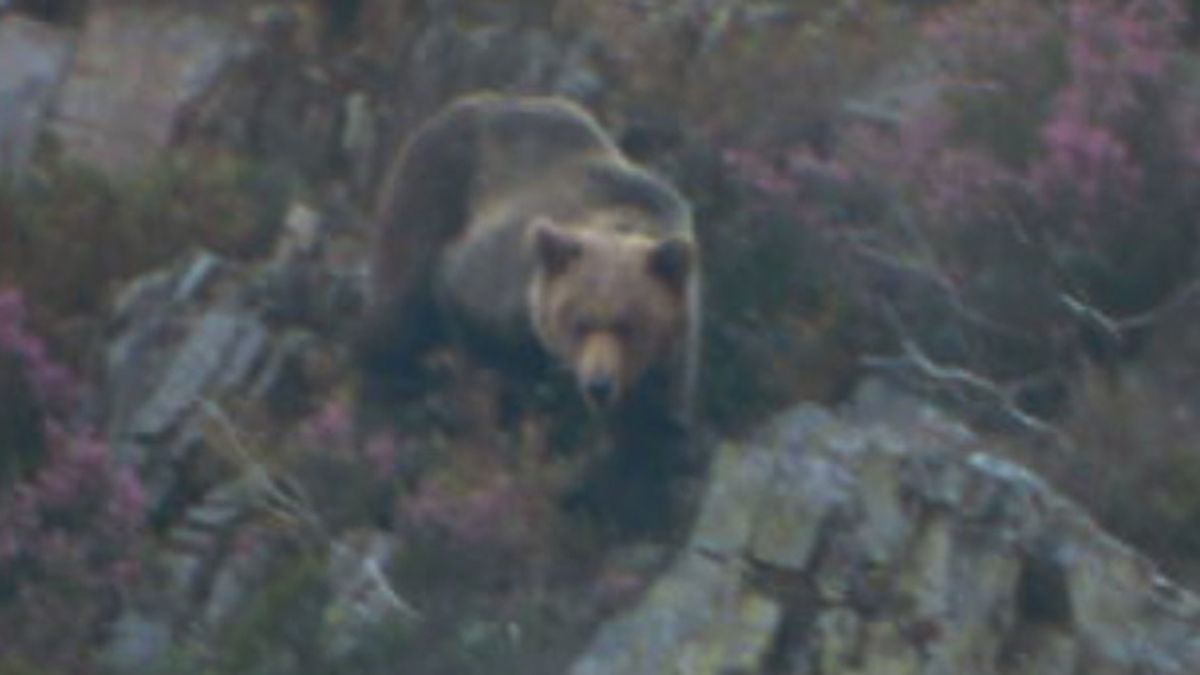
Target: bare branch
[
  {"x": 281, "y": 504},
  {"x": 375, "y": 575},
  {"x": 1116, "y": 327},
  {"x": 1003, "y": 397},
  {"x": 1181, "y": 299},
  {"x": 1092, "y": 315},
  {"x": 942, "y": 282}
]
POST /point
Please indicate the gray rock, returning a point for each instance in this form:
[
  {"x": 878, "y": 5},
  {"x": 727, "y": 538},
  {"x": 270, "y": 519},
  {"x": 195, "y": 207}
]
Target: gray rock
[
  {"x": 33, "y": 61},
  {"x": 888, "y": 543},
  {"x": 137, "y": 640},
  {"x": 218, "y": 353},
  {"x": 800, "y": 496},
  {"x": 199, "y": 274},
  {"x": 149, "y": 320},
  {"x": 698, "y": 618},
  {"x": 182, "y": 337},
  {"x": 726, "y": 521},
  {"x": 185, "y": 339},
  {"x": 136, "y": 72},
  {"x": 359, "y": 136}
]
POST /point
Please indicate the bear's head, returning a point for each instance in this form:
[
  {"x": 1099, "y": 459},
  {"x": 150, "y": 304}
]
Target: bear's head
[{"x": 609, "y": 305}]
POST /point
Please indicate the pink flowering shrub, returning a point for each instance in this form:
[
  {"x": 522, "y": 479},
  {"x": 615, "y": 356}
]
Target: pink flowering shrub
[
  {"x": 488, "y": 514},
  {"x": 1033, "y": 207},
  {"x": 67, "y": 550},
  {"x": 344, "y": 481},
  {"x": 462, "y": 493},
  {"x": 69, "y": 530},
  {"x": 54, "y": 385}
]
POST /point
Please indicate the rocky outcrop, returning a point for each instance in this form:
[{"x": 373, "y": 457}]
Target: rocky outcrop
[
  {"x": 33, "y": 61},
  {"x": 136, "y": 71},
  {"x": 207, "y": 329},
  {"x": 186, "y": 343},
  {"x": 887, "y": 540}
]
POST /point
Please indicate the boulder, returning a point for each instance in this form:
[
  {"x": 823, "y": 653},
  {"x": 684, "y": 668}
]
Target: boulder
[{"x": 888, "y": 540}]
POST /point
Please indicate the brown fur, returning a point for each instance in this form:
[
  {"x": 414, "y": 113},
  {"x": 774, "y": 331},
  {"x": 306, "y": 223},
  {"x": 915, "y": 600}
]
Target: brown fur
[{"x": 518, "y": 221}]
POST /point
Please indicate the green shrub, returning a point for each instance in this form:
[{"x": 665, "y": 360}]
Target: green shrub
[{"x": 67, "y": 233}]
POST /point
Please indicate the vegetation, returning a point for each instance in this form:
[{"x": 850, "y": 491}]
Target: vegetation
[
  {"x": 70, "y": 526},
  {"x": 1013, "y": 223},
  {"x": 991, "y": 201},
  {"x": 68, "y": 233}
]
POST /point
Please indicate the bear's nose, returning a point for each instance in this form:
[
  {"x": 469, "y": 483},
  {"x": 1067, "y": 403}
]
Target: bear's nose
[{"x": 600, "y": 391}]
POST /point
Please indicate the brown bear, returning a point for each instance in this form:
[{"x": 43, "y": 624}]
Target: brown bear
[{"x": 516, "y": 226}]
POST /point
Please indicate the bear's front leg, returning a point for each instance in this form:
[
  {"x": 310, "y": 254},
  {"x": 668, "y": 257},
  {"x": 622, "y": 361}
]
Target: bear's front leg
[
  {"x": 633, "y": 486},
  {"x": 389, "y": 347}
]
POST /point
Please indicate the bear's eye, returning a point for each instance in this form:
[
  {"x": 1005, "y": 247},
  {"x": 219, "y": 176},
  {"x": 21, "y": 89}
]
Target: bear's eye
[
  {"x": 622, "y": 329},
  {"x": 582, "y": 327}
]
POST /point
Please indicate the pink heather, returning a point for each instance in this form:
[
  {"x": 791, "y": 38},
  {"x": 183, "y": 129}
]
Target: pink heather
[
  {"x": 488, "y": 515},
  {"x": 1086, "y": 159},
  {"x": 331, "y": 426},
  {"x": 56, "y": 386},
  {"x": 963, "y": 183},
  {"x": 12, "y": 307},
  {"x": 381, "y": 452},
  {"x": 131, "y": 495},
  {"x": 8, "y": 546},
  {"x": 79, "y": 516}
]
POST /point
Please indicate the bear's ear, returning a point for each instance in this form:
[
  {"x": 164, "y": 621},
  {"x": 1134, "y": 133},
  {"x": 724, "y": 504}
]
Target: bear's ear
[
  {"x": 556, "y": 247},
  {"x": 671, "y": 261}
]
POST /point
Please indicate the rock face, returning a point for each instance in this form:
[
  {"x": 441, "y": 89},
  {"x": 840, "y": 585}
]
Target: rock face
[
  {"x": 173, "y": 352},
  {"x": 886, "y": 542},
  {"x": 185, "y": 341},
  {"x": 136, "y": 72},
  {"x": 33, "y": 60}
]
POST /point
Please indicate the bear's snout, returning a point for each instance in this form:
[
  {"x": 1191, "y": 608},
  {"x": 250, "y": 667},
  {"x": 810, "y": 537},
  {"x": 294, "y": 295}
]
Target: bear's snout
[
  {"x": 600, "y": 391},
  {"x": 598, "y": 370}
]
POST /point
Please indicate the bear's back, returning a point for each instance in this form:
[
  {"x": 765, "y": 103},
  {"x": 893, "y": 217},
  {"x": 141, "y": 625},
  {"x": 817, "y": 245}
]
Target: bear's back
[
  {"x": 541, "y": 158},
  {"x": 549, "y": 157},
  {"x": 522, "y": 140}
]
